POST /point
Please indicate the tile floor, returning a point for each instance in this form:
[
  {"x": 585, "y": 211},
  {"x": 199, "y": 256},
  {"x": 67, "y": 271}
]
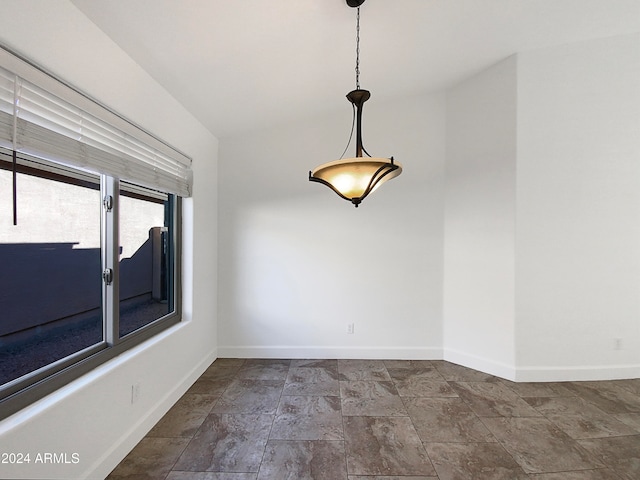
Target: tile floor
[{"x": 389, "y": 420}]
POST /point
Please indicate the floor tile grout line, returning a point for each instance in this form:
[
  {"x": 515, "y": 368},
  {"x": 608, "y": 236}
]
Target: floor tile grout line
[
  {"x": 199, "y": 427},
  {"x": 344, "y": 430},
  {"x": 191, "y": 437},
  {"x": 502, "y": 443},
  {"x": 481, "y": 420},
  {"x": 275, "y": 415},
  {"x": 414, "y": 426},
  {"x": 459, "y": 377}
]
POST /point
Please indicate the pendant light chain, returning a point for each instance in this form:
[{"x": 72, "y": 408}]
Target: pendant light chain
[
  {"x": 358, "y": 50},
  {"x": 353, "y": 179}
]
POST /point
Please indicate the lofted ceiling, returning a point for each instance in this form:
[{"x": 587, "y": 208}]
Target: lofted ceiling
[{"x": 242, "y": 65}]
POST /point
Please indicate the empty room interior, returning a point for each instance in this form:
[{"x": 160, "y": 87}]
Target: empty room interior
[{"x": 501, "y": 259}]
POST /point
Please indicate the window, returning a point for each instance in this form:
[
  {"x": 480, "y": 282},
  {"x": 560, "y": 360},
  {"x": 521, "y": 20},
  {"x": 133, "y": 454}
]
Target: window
[
  {"x": 89, "y": 234},
  {"x": 50, "y": 289},
  {"x": 55, "y": 304},
  {"x": 146, "y": 257}
]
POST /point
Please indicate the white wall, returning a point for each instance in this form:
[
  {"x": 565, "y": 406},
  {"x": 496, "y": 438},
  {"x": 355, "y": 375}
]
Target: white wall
[
  {"x": 542, "y": 215},
  {"x": 298, "y": 263},
  {"x": 531, "y": 237},
  {"x": 578, "y": 228},
  {"x": 479, "y": 233},
  {"x": 93, "y": 416}
]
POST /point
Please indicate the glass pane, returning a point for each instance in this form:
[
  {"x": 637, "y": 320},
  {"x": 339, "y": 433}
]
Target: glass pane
[
  {"x": 146, "y": 263},
  {"x": 50, "y": 280}
]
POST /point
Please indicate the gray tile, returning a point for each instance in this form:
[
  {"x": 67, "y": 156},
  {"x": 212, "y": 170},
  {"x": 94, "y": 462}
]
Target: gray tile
[
  {"x": 316, "y": 381},
  {"x": 214, "y": 381},
  {"x": 267, "y": 361},
  {"x": 539, "y": 446},
  {"x": 563, "y": 406},
  {"x": 527, "y": 389},
  {"x": 457, "y": 373},
  {"x": 228, "y": 362},
  {"x": 371, "y": 398},
  {"x": 308, "y": 418},
  {"x": 446, "y": 420},
  {"x": 579, "y": 418},
  {"x": 420, "y": 382},
  {"x": 304, "y": 460},
  {"x": 319, "y": 363},
  {"x": 250, "y": 396},
  {"x": 362, "y": 370},
  {"x": 620, "y": 454},
  {"x": 600, "y": 474},
  {"x": 152, "y": 458},
  {"x": 185, "y": 417},
  {"x": 392, "y": 477},
  {"x": 375, "y": 444},
  {"x": 421, "y": 387},
  {"x": 307, "y": 427},
  {"x": 384, "y": 446},
  {"x": 473, "y": 461},
  {"x": 211, "y": 476},
  {"x": 227, "y": 443},
  {"x": 309, "y": 405},
  {"x": 632, "y": 385},
  {"x": 264, "y": 371},
  {"x": 630, "y": 419},
  {"x": 492, "y": 399},
  {"x": 610, "y": 397},
  {"x": 417, "y": 373},
  {"x": 410, "y": 364}
]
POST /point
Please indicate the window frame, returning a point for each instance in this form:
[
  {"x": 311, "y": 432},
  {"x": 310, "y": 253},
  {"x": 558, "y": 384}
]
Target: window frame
[{"x": 31, "y": 387}]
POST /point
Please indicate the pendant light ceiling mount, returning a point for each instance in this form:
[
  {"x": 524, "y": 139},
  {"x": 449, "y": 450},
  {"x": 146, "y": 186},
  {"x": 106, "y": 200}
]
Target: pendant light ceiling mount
[{"x": 355, "y": 178}]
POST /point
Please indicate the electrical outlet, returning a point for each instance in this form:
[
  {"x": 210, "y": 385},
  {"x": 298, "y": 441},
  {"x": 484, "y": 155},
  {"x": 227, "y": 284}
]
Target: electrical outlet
[
  {"x": 350, "y": 328},
  {"x": 135, "y": 392}
]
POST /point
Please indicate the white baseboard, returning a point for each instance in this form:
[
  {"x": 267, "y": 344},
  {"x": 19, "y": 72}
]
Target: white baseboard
[
  {"x": 129, "y": 439},
  {"x": 499, "y": 369},
  {"x": 577, "y": 374},
  {"x": 481, "y": 364},
  {"x": 310, "y": 352},
  {"x": 543, "y": 373}
]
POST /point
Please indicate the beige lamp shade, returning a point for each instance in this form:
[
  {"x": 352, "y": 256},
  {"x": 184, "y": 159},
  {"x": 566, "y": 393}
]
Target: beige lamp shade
[{"x": 355, "y": 178}]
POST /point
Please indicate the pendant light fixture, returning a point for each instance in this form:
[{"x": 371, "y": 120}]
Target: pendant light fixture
[{"x": 355, "y": 178}]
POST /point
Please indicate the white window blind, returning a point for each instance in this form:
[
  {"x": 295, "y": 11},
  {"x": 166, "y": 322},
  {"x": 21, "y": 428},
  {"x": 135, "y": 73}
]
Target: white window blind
[{"x": 43, "y": 117}]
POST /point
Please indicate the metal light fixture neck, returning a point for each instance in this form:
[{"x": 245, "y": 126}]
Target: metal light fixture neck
[{"x": 355, "y": 178}]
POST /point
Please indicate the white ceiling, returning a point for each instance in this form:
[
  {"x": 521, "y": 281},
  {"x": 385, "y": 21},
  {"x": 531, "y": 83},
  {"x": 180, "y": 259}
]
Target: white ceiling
[{"x": 238, "y": 65}]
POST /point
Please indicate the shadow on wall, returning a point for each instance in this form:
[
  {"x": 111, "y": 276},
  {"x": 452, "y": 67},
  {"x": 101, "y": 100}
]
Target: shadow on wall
[{"x": 45, "y": 282}]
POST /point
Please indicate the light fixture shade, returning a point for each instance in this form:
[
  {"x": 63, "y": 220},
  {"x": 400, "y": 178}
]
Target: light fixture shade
[{"x": 355, "y": 178}]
